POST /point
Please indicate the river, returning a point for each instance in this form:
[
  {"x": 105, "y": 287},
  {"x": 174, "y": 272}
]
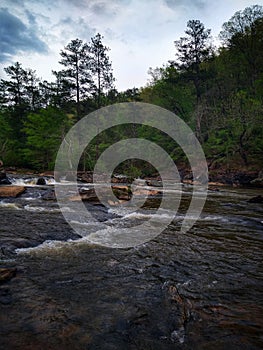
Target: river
[{"x": 196, "y": 290}]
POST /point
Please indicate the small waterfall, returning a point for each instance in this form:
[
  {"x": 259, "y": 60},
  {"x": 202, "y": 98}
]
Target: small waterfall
[{"x": 31, "y": 181}]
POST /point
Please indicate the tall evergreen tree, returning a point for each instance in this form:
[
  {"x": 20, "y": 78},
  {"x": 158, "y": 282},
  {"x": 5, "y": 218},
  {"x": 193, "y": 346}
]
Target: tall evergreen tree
[
  {"x": 100, "y": 67},
  {"x": 32, "y": 89},
  {"x": 192, "y": 50},
  {"x": 15, "y": 86},
  {"x": 74, "y": 59}
]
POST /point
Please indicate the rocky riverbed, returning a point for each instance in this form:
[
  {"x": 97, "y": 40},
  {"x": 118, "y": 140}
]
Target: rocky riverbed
[{"x": 196, "y": 290}]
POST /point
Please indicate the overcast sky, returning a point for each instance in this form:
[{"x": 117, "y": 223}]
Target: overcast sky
[{"x": 140, "y": 33}]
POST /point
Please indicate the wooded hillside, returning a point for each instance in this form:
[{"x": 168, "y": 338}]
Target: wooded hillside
[{"x": 218, "y": 91}]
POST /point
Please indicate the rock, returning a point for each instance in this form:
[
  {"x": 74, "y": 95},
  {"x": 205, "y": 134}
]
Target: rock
[
  {"x": 4, "y": 179},
  {"x": 213, "y": 189},
  {"x": 122, "y": 192},
  {"x": 121, "y": 179},
  {"x": 41, "y": 181},
  {"x": 258, "y": 182},
  {"x": 233, "y": 178},
  {"x": 86, "y": 195},
  {"x": 242, "y": 179},
  {"x": 49, "y": 195},
  {"x": 139, "y": 182},
  {"x": 112, "y": 203},
  {"x": 215, "y": 184},
  {"x": 49, "y": 173},
  {"x": 11, "y": 191},
  {"x": 257, "y": 199},
  {"x": 154, "y": 183},
  {"x": 7, "y": 273},
  {"x": 85, "y": 177},
  {"x": 143, "y": 192}
]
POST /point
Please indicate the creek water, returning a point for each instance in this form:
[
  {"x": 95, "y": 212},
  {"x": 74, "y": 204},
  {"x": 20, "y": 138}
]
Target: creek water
[{"x": 196, "y": 290}]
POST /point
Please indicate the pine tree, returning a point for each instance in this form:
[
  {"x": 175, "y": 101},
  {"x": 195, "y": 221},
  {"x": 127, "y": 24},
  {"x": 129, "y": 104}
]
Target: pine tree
[
  {"x": 76, "y": 72},
  {"x": 100, "y": 67},
  {"x": 192, "y": 50}
]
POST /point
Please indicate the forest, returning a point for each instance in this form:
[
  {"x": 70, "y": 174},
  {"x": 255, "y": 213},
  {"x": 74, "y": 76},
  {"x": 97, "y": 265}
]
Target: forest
[{"x": 216, "y": 90}]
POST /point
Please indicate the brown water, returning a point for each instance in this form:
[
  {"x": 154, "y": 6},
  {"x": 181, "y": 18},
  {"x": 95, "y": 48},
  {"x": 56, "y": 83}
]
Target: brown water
[{"x": 197, "y": 290}]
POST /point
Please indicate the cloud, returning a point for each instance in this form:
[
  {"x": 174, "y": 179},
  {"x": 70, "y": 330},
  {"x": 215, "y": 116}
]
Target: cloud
[
  {"x": 65, "y": 30},
  {"x": 16, "y": 37},
  {"x": 187, "y": 3}
]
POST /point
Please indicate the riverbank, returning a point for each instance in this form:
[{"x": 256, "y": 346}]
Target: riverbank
[{"x": 223, "y": 176}]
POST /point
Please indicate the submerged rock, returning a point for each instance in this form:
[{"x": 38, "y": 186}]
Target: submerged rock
[
  {"x": 11, "y": 191},
  {"x": 7, "y": 273},
  {"x": 49, "y": 195},
  {"x": 257, "y": 199}
]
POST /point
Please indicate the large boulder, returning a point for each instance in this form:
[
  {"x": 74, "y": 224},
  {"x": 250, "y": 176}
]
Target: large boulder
[
  {"x": 4, "y": 179},
  {"x": 41, "y": 181},
  {"x": 11, "y": 191}
]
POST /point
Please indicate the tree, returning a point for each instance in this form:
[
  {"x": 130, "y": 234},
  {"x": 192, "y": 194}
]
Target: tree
[
  {"x": 242, "y": 34},
  {"x": 45, "y": 131},
  {"x": 192, "y": 51},
  {"x": 16, "y": 101},
  {"x": 5, "y": 136},
  {"x": 168, "y": 89},
  {"x": 100, "y": 67},
  {"x": 240, "y": 23},
  {"x": 32, "y": 89},
  {"x": 75, "y": 59},
  {"x": 15, "y": 86}
]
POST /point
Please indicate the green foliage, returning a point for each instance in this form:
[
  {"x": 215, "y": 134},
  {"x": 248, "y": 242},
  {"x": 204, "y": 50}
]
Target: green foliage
[
  {"x": 5, "y": 137},
  {"x": 167, "y": 89},
  {"x": 219, "y": 95},
  {"x": 45, "y": 131}
]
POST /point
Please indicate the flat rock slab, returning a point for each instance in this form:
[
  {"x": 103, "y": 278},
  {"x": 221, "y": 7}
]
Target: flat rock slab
[{"x": 11, "y": 191}]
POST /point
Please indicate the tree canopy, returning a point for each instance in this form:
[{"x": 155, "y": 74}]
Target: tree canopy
[{"x": 219, "y": 93}]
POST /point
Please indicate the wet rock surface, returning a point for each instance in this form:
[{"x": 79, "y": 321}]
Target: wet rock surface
[
  {"x": 4, "y": 180},
  {"x": 11, "y": 191},
  {"x": 196, "y": 290},
  {"x": 257, "y": 199},
  {"x": 258, "y": 181},
  {"x": 41, "y": 181},
  {"x": 6, "y": 274}
]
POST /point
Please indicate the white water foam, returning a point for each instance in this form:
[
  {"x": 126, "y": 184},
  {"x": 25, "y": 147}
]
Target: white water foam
[
  {"x": 137, "y": 215},
  {"x": 41, "y": 209},
  {"x": 10, "y": 205},
  {"x": 30, "y": 182}
]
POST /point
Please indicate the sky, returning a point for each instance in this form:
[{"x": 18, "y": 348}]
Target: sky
[{"x": 139, "y": 33}]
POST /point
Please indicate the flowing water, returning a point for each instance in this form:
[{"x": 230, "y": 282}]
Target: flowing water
[{"x": 196, "y": 290}]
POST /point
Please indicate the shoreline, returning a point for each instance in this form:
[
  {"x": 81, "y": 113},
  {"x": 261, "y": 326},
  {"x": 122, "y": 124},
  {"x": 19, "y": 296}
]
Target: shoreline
[{"x": 222, "y": 177}]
